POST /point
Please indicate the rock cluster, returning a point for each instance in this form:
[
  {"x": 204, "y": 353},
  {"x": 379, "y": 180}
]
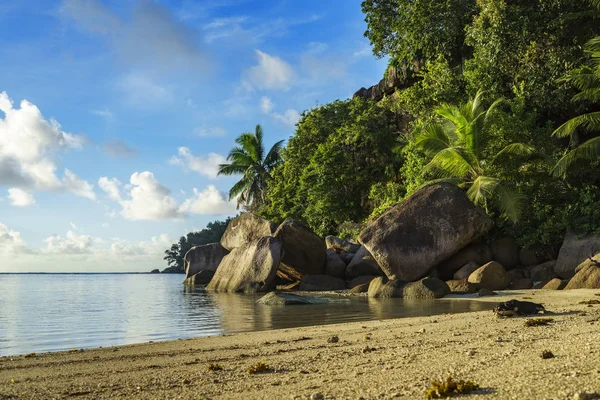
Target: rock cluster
[{"x": 426, "y": 247}]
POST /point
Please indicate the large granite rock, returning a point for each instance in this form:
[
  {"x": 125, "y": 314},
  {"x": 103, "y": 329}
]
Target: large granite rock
[
  {"x": 555, "y": 284},
  {"x": 363, "y": 263},
  {"x": 359, "y": 280},
  {"x": 339, "y": 245},
  {"x": 382, "y": 287},
  {"x": 506, "y": 252},
  {"x": 319, "y": 283},
  {"x": 574, "y": 250},
  {"x": 428, "y": 288},
  {"x": 414, "y": 236},
  {"x": 587, "y": 276},
  {"x": 466, "y": 270},
  {"x": 478, "y": 253},
  {"x": 201, "y": 278},
  {"x": 520, "y": 284},
  {"x": 249, "y": 268},
  {"x": 246, "y": 228},
  {"x": 461, "y": 286},
  {"x": 528, "y": 257},
  {"x": 288, "y": 299},
  {"x": 203, "y": 258},
  {"x": 334, "y": 266},
  {"x": 490, "y": 276},
  {"x": 303, "y": 251},
  {"x": 542, "y": 272}
]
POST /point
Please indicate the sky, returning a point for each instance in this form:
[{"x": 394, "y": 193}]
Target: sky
[{"x": 114, "y": 115}]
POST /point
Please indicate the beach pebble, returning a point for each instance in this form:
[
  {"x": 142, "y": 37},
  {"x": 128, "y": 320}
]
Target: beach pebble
[
  {"x": 333, "y": 339},
  {"x": 317, "y": 396},
  {"x": 471, "y": 352}
]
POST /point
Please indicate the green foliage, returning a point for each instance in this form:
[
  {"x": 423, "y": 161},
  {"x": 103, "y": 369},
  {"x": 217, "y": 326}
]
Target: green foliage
[
  {"x": 211, "y": 234},
  {"x": 384, "y": 195},
  {"x": 587, "y": 80},
  {"x": 522, "y": 47},
  {"x": 409, "y": 30},
  {"x": 458, "y": 149},
  {"x": 250, "y": 160},
  {"x": 338, "y": 152}
]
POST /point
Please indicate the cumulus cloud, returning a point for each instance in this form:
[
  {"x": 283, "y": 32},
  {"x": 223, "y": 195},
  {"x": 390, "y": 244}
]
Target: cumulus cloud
[
  {"x": 148, "y": 199},
  {"x": 290, "y": 117},
  {"x": 20, "y": 198},
  {"x": 11, "y": 242},
  {"x": 112, "y": 187},
  {"x": 271, "y": 73},
  {"x": 204, "y": 165},
  {"x": 208, "y": 202},
  {"x": 78, "y": 186},
  {"x": 154, "y": 247},
  {"x": 266, "y": 105},
  {"x": 28, "y": 143},
  {"x": 72, "y": 243}
]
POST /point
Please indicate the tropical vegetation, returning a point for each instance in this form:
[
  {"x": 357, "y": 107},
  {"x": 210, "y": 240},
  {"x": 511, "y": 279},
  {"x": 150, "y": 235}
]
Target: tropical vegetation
[
  {"x": 250, "y": 160},
  {"x": 484, "y": 101}
]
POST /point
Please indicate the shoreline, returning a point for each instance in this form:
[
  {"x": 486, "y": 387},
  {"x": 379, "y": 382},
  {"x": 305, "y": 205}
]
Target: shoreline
[{"x": 392, "y": 358}]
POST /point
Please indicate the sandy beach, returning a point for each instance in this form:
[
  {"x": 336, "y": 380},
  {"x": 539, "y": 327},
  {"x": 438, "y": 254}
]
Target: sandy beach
[{"x": 372, "y": 360}]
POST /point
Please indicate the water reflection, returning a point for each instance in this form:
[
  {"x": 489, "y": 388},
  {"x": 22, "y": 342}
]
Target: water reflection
[{"x": 60, "y": 312}]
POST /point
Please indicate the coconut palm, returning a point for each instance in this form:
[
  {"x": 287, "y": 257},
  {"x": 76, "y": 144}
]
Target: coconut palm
[
  {"x": 587, "y": 80},
  {"x": 458, "y": 146},
  {"x": 249, "y": 160}
]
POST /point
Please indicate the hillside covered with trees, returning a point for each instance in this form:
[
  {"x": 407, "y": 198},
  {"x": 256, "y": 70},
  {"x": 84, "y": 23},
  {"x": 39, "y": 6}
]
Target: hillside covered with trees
[{"x": 499, "y": 97}]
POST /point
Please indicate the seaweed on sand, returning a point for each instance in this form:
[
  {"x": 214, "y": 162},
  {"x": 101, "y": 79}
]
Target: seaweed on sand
[
  {"x": 538, "y": 321},
  {"x": 449, "y": 387},
  {"x": 260, "y": 368}
]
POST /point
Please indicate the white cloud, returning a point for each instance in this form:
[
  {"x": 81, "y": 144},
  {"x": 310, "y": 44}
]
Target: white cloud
[
  {"x": 72, "y": 243},
  {"x": 214, "y": 131},
  {"x": 204, "y": 165},
  {"x": 271, "y": 73},
  {"x": 156, "y": 247},
  {"x": 20, "y": 198},
  {"x": 266, "y": 105},
  {"x": 208, "y": 202},
  {"x": 112, "y": 187},
  {"x": 27, "y": 144},
  {"x": 78, "y": 186},
  {"x": 93, "y": 15},
  {"x": 11, "y": 242},
  {"x": 148, "y": 200},
  {"x": 290, "y": 117}
]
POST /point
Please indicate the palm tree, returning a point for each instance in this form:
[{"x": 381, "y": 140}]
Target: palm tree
[
  {"x": 457, "y": 148},
  {"x": 249, "y": 160},
  {"x": 587, "y": 80}
]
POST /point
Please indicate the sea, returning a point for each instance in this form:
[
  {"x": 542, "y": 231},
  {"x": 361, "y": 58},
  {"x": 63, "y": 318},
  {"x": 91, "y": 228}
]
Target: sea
[{"x": 56, "y": 312}]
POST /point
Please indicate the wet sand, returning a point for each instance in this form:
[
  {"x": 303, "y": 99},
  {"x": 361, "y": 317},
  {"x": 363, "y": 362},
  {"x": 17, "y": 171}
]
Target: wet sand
[{"x": 372, "y": 360}]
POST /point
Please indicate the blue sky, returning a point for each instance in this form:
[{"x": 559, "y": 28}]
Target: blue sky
[{"x": 115, "y": 114}]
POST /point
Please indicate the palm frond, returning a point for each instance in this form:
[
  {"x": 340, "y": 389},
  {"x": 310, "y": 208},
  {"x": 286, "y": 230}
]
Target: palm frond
[
  {"x": 510, "y": 202},
  {"x": 449, "y": 163},
  {"x": 482, "y": 188},
  {"x": 231, "y": 169},
  {"x": 588, "y": 122},
  {"x": 515, "y": 149},
  {"x": 273, "y": 157},
  {"x": 432, "y": 139},
  {"x": 588, "y": 150},
  {"x": 258, "y": 133}
]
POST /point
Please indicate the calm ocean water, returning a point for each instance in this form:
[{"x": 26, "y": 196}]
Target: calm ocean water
[{"x": 53, "y": 312}]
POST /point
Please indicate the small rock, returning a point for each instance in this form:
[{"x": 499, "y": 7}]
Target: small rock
[
  {"x": 422, "y": 330},
  {"x": 471, "y": 352},
  {"x": 333, "y": 339},
  {"x": 317, "y": 396},
  {"x": 547, "y": 354}
]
